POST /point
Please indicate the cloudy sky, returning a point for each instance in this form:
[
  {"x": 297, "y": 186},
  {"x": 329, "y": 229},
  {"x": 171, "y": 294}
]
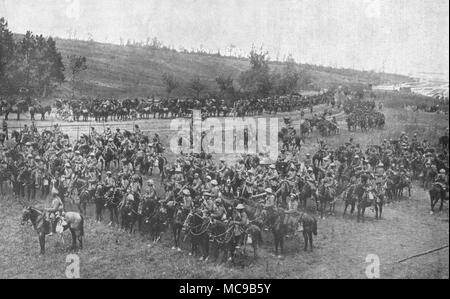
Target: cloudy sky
[{"x": 407, "y": 36}]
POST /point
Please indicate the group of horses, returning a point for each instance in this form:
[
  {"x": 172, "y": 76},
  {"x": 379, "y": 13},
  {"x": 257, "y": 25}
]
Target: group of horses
[
  {"x": 22, "y": 106},
  {"x": 114, "y": 109}
]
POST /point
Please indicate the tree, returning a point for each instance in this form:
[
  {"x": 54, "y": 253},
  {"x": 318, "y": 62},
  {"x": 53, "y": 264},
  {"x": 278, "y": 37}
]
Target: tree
[
  {"x": 257, "y": 80},
  {"x": 6, "y": 55},
  {"x": 289, "y": 79},
  {"x": 77, "y": 64},
  {"x": 50, "y": 68},
  {"x": 226, "y": 88},
  {"x": 196, "y": 85},
  {"x": 170, "y": 83}
]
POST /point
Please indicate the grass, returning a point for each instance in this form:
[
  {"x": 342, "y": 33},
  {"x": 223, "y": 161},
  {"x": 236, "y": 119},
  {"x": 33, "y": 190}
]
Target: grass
[{"x": 119, "y": 71}]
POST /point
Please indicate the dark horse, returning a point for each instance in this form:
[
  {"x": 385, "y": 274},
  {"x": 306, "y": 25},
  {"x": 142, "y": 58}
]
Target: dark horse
[
  {"x": 198, "y": 229},
  {"x": 437, "y": 193},
  {"x": 368, "y": 198},
  {"x": 177, "y": 217},
  {"x": 280, "y": 227},
  {"x": 71, "y": 220}
]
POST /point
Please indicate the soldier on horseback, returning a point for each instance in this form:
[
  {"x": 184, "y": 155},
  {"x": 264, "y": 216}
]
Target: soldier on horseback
[
  {"x": 55, "y": 211},
  {"x": 240, "y": 220}
]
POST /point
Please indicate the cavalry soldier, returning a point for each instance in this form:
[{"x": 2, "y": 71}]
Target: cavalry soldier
[
  {"x": 77, "y": 161},
  {"x": 55, "y": 210},
  {"x": 227, "y": 190},
  {"x": 196, "y": 184},
  {"x": 241, "y": 222},
  {"x": 219, "y": 212},
  {"x": 215, "y": 189},
  {"x": 109, "y": 180},
  {"x": 135, "y": 186},
  {"x": 187, "y": 203},
  {"x": 91, "y": 162},
  {"x": 442, "y": 179},
  {"x": 270, "y": 202},
  {"x": 292, "y": 208}
]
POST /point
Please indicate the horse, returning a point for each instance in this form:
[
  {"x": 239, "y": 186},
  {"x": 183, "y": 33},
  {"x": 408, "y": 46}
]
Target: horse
[
  {"x": 113, "y": 199},
  {"x": 326, "y": 195},
  {"x": 155, "y": 216},
  {"x": 71, "y": 220},
  {"x": 437, "y": 192},
  {"x": 368, "y": 198},
  {"x": 283, "y": 191},
  {"x": 349, "y": 200},
  {"x": 177, "y": 217},
  {"x": 197, "y": 227},
  {"x": 129, "y": 214}
]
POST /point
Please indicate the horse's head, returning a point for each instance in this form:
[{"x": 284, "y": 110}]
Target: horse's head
[{"x": 26, "y": 215}]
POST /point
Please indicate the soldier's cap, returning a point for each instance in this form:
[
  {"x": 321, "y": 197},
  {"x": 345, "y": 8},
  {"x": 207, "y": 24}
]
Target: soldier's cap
[
  {"x": 272, "y": 166},
  {"x": 108, "y": 172},
  {"x": 268, "y": 190},
  {"x": 30, "y": 156},
  {"x": 186, "y": 192},
  {"x": 37, "y": 158},
  {"x": 150, "y": 182},
  {"x": 214, "y": 182},
  {"x": 310, "y": 169},
  {"x": 218, "y": 200},
  {"x": 380, "y": 164},
  {"x": 240, "y": 207},
  {"x": 92, "y": 155},
  {"x": 442, "y": 171},
  {"x": 28, "y": 143},
  {"x": 208, "y": 177},
  {"x": 77, "y": 152}
]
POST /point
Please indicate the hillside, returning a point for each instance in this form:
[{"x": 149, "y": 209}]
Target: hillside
[{"x": 115, "y": 70}]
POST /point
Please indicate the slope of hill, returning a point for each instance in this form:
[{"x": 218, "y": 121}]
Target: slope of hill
[{"x": 115, "y": 70}]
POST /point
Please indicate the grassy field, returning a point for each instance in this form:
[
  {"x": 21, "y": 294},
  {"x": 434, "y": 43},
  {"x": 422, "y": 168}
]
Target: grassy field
[
  {"x": 121, "y": 71},
  {"x": 341, "y": 246}
]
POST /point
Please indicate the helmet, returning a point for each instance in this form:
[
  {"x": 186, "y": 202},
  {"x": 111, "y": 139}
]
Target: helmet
[
  {"x": 150, "y": 182},
  {"x": 442, "y": 171},
  {"x": 186, "y": 192},
  {"x": 240, "y": 207},
  {"x": 214, "y": 183},
  {"x": 130, "y": 197}
]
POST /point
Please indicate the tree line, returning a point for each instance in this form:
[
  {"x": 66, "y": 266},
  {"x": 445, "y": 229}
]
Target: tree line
[
  {"x": 258, "y": 81},
  {"x": 32, "y": 65}
]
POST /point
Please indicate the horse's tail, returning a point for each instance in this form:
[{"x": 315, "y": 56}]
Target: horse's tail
[{"x": 315, "y": 227}]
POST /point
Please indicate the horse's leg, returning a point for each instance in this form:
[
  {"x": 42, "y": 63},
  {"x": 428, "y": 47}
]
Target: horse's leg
[
  {"x": 305, "y": 238},
  {"x": 310, "y": 240},
  {"x": 42, "y": 242},
  {"x": 74, "y": 239}
]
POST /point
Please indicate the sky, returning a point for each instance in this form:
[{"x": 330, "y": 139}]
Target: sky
[{"x": 404, "y": 36}]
